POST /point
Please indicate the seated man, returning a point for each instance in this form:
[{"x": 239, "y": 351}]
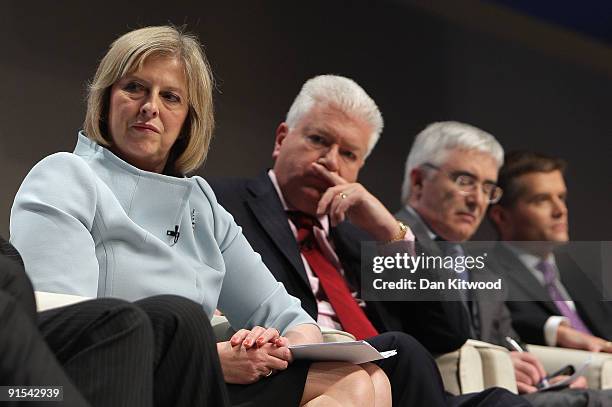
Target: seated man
[
  {"x": 105, "y": 352},
  {"x": 450, "y": 180},
  {"x": 533, "y": 209},
  {"x": 295, "y": 215}
]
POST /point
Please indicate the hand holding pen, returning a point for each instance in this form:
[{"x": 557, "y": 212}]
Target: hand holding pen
[{"x": 529, "y": 372}]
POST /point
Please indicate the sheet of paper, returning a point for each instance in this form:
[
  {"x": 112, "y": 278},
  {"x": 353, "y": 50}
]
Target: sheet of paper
[
  {"x": 580, "y": 370},
  {"x": 354, "y": 352}
]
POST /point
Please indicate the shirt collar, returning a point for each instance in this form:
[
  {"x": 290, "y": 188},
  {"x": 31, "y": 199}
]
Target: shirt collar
[
  {"x": 414, "y": 213},
  {"x": 530, "y": 260},
  {"x": 324, "y": 220}
]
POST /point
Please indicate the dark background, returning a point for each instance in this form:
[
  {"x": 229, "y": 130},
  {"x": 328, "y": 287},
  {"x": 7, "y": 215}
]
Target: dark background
[{"x": 531, "y": 83}]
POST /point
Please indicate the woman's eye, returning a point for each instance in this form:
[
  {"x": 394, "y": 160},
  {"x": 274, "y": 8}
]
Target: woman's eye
[
  {"x": 133, "y": 87},
  {"x": 171, "y": 97}
]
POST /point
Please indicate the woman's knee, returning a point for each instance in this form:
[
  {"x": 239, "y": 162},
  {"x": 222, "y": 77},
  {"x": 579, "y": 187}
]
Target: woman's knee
[
  {"x": 382, "y": 386},
  {"x": 349, "y": 384}
]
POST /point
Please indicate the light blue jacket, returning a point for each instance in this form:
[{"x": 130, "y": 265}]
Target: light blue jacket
[{"x": 90, "y": 224}]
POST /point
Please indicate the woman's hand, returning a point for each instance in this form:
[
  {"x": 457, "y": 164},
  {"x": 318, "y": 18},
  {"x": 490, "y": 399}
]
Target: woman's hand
[
  {"x": 251, "y": 355},
  {"x": 257, "y": 336}
]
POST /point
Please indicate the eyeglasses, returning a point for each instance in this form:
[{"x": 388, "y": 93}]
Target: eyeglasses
[{"x": 468, "y": 184}]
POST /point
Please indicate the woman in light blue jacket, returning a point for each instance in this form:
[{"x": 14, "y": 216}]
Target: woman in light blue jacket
[{"x": 119, "y": 218}]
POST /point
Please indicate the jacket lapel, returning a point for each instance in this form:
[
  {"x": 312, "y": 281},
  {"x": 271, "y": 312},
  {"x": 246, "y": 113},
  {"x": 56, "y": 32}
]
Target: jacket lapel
[
  {"x": 516, "y": 271},
  {"x": 420, "y": 232},
  {"x": 269, "y": 212}
]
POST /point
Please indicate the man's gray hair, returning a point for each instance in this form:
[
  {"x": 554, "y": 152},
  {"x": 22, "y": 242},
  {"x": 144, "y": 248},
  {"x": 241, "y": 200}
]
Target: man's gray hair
[
  {"x": 433, "y": 144},
  {"x": 344, "y": 94}
]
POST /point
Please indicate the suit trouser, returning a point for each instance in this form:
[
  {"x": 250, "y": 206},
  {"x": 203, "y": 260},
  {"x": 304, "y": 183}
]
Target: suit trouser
[
  {"x": 25, "y": 358},
  {"x": 159, "y": 351},
  {"x": 416, "y": 381}
]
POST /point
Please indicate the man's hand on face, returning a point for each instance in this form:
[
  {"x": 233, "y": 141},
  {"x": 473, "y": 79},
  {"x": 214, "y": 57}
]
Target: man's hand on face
[
  {"x": 528, "y": 371},
  {"x": 568, "y": 337},
  {"x": 345, "y": 199}
]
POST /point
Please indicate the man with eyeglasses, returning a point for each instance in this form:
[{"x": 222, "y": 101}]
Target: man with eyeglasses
[
  {"x": 450, "y": 180},
  {"x": 307, "y": 217}
]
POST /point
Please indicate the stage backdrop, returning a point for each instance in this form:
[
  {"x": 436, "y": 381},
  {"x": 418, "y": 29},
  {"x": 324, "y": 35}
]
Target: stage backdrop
[{"x": 419, "y": 64}]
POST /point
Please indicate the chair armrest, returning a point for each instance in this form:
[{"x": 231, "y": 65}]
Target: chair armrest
[
  {"x": 46, "y": 301},
  {"x": 221, "y": 328},
  {"x": 598, "y": 374},
  {"x": 461, "y": 370},
  {"x": 497, "y": 366},
  {"x": 476, "y": 366},
  {"x": 334, "y": 335}
]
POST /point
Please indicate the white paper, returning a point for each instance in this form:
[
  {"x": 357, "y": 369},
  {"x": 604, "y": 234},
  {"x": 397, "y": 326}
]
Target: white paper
[
  {"x": 570, "y": 379},
  {"x": 353, "y": 352}
]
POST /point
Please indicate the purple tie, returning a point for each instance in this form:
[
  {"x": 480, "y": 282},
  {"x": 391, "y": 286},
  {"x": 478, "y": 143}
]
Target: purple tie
[{"x": 550, "y": 283}]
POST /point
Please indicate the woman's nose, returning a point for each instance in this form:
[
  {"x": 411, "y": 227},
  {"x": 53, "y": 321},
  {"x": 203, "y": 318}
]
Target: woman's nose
[{"x": 150, "y": 108}]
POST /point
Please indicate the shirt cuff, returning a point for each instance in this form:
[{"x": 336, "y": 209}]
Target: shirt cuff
[{"x": 550, "y": 329}]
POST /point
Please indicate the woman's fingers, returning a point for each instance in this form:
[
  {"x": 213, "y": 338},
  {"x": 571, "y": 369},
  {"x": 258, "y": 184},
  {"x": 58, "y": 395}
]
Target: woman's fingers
[
  {"x": 253, "y": 335},
  {"x": 269, "y": 335},
  {"x": 258, "y": 336},
  {"x": 239, "y": 337}
]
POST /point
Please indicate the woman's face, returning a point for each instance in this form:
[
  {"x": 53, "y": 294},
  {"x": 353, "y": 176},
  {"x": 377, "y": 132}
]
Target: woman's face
[{"x": 147, "y": 111}]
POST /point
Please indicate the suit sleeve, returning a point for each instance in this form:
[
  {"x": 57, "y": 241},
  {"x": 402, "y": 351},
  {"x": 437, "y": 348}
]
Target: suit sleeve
[
  {"x": 528, "y": 320},
  {"x": 250, "y": 295},
  {"x": 439, "y": 323},
  {"x": 51, "y": 225}
]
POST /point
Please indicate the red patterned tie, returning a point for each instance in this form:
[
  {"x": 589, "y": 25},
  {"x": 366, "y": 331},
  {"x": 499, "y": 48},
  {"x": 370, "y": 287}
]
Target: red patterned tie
[{"x": 349, "y": 313}]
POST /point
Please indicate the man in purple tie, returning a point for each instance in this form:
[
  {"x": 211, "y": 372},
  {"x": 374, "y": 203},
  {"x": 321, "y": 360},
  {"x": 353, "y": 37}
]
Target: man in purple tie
[
  {"x": 450, "y": 180},
  {"x": 564, "y": 307}
]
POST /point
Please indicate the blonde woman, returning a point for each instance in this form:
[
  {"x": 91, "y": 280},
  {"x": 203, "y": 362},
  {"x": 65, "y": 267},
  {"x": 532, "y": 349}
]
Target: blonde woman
[{"x": 118, "y": 217}]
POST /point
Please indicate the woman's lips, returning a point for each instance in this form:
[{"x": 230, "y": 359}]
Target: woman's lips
[{"x": 145, "y": 127}]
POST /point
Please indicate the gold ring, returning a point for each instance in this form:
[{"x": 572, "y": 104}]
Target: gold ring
[
  {"x": 343, "y": 195},
  {"x": 269, "y": 373}
]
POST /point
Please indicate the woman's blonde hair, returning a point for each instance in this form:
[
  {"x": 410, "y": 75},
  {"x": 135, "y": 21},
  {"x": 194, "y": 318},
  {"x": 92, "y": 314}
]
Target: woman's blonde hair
[{"x": 127, "y": 54}]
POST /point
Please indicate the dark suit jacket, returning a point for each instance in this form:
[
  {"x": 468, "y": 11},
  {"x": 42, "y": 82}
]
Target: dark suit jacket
[
  {"x": 530, "y": 316},
  {"x": 13, "y": 279},
  {"x": 256, "y": 207},
  {"x": 494, "y": 317}
]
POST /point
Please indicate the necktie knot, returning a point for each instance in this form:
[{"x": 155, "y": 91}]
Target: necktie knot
[{"x": 304, "y": 224}]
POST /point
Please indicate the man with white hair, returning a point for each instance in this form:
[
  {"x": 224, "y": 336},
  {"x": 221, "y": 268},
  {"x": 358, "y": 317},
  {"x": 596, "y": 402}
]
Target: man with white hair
[
  {"x": 450, "y": 180},
  {"x": 296, "y": 215}
]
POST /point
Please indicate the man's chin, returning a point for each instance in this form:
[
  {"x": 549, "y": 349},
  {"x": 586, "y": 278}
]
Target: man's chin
[
  {"x": 559, "y": 238},
  {"x": 308, "y": 204},
  {"x": 459, "y": 234}
]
